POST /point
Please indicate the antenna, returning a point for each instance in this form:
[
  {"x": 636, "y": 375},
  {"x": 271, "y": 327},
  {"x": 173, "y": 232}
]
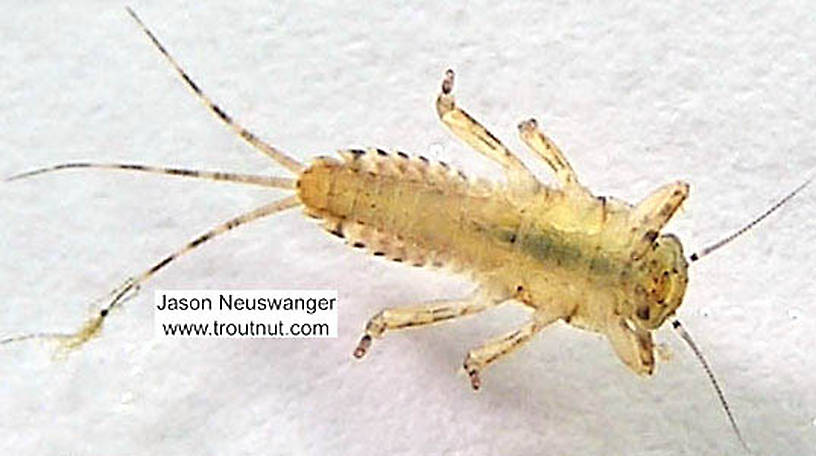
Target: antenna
[
  {"x": 687, "y": 338},
  {"x": 696, "y": 256}
]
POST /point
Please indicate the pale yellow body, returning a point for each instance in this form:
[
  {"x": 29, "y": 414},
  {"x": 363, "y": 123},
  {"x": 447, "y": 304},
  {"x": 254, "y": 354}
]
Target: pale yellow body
[
  {"x": 438, "y": 218},
  {"x": 564, "y": 253},
  {"x": 594, "y": 262}
]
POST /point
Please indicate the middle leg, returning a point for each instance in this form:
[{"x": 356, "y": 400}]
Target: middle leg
[
  {"x": 543, "y": 146},
  {"x": 420, "y": 315},
  {"x": 478, "y": 358}
]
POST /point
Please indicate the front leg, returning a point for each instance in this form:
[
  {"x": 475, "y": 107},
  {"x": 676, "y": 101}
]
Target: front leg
[
  {"x": 633, "y": 346},
  {"x": 478, "y": 358},
  {"x": 472, "y": 132},
  {"x": 653, "y": 212}
]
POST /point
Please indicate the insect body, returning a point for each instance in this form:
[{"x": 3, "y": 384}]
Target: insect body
[{"x": 596, "y": 263}]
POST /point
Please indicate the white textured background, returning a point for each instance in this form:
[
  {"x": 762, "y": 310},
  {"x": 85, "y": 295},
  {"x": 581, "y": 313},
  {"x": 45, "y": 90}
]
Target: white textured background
[{"x": 721, "y": 96}]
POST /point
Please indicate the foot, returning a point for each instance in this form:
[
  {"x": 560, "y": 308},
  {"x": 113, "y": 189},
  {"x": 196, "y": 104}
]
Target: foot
[
  {"x": 362, "y": 346},
  {"x": 447, "y": 83},
  {"x": 473, "y": 374}
]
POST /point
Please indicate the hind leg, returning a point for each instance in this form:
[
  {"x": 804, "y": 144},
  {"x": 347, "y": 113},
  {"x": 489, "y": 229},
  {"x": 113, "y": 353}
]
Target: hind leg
[{"x": 472, "y": 132}]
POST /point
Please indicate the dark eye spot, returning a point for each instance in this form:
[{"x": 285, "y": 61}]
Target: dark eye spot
[{"x": 643, "y": 313}]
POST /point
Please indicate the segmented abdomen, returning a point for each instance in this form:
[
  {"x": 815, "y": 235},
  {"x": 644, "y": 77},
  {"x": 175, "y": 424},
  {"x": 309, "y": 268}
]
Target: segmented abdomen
[{"x": 409, "y": 209}]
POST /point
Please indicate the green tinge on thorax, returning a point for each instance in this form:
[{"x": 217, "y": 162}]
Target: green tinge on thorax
[{"x": 568, "y": 251}]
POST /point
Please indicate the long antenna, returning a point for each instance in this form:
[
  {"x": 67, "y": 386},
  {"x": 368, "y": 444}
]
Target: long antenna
[
  {"x": 717, "y": 245},
  {"x": 687, "y": 337}
]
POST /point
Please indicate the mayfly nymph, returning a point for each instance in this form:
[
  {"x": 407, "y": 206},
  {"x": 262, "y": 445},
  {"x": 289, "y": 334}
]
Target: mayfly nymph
[{"x": 594, "y": 262}]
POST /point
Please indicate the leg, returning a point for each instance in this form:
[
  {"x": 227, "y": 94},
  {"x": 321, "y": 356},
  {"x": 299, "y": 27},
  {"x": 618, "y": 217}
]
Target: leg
[
  {"x": 284, "y": 160},
  {"x": 477, "y": 359},
  {"x": 470, "y": 131},
  {"x": 549, "y": 152},
  {"x": 633, "y": 346},
  {"x": 651, "y": 214},
  {"x": 424, "y": 314}
]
